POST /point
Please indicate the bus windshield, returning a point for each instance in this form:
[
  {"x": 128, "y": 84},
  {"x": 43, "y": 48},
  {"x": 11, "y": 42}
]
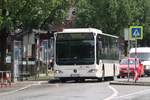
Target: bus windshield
[
  {"x": 142, "y": 56},
  {"x": 75, "y": 48}
]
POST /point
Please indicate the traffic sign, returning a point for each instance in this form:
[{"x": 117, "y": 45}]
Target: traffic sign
[{"x": 136, "y": 32}]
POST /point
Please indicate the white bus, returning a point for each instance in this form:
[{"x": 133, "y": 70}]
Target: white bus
[
  {"x": 85, "y": 53},
  {"x": 144, "y": 54}
]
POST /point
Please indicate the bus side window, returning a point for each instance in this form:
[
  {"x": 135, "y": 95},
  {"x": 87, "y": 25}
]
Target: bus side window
[{"x": 99, "y": 48}]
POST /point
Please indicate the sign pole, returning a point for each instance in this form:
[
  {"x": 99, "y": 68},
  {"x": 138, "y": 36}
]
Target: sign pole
[
  {"x": 135, "y": 56},
  {"x": 127, "y": 37},
  {"x": 136, "y": 32},
  {"x": 128, "y": 57}
]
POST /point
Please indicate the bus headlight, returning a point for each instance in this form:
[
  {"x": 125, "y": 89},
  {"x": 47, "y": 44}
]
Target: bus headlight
[
  {"x": 58, "y": 71},
  {"x": 92, "y": 70}
]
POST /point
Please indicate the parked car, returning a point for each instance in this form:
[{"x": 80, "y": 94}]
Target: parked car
[
  {"x": 123, "y": 67},
  {"x": 144, "y": 54}
]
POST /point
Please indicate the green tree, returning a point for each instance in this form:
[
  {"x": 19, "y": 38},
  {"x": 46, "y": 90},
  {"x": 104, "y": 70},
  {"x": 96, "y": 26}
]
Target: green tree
[
  {"x": 146, "y": 20},
  {"x": 112, "y": 16},
  {"x": 37, "y": 13},
  {"x": 29, "y": 14}
]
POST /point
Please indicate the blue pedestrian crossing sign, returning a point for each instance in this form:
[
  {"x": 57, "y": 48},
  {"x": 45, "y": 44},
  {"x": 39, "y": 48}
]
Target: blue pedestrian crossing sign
[{"x": 136, "y": 32}]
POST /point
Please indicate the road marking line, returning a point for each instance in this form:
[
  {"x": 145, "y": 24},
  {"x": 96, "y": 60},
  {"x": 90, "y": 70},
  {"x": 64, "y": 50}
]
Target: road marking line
[
  {"x": 115, "y": 93},
  {"x": 132, "y": 94},
  {"x": 23, "y": 88}
]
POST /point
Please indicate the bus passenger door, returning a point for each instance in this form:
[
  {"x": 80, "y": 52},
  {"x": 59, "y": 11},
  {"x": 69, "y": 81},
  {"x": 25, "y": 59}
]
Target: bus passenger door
[
  {"x": 99, "y": 54},
  {"x": 101, "y": 67}
]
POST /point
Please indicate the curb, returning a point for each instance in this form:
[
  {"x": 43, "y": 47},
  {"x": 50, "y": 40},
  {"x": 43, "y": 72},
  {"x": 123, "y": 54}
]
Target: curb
[
  {"x": 129, "y": 83},
  {"x": 20, "y": 86}
]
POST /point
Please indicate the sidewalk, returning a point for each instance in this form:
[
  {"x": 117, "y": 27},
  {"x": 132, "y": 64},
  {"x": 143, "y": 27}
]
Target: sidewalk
[
  {"x": 16, "y": 86},
  {"x": 20, "y": 85},
  {"x": 143, "y": 81}
]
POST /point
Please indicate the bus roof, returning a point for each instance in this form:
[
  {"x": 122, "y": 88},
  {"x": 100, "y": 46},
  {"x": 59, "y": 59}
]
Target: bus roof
[
  {"x": 140, "y": 50},
  {"x": 85, "y": 30}
]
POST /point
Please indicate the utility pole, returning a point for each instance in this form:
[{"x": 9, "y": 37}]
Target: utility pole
[
  {"x": 27, "y": 52},
  {"x": 135, "y": 69},
  {"x": 38, "y": 54},
  {"x": 128, "y": 57},
  {"x": 12, "y": 56},
  {"x": 127, "y": 37}
]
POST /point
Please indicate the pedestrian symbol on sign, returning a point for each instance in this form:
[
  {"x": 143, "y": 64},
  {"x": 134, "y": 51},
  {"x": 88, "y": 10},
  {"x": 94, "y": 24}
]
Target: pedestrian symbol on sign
[{"x": 136, "y": 32}]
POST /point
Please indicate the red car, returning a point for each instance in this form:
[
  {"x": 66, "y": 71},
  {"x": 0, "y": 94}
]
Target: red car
[{"x": 123, "y": 67}]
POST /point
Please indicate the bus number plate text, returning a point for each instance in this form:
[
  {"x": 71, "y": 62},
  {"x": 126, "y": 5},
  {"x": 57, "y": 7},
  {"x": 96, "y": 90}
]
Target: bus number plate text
[{"x": 75, "y": 75}]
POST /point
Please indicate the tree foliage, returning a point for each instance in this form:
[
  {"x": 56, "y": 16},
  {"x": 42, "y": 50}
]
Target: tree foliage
[
  {"x": 112, "y": 16},
  {"x": 29, "y": 14}
]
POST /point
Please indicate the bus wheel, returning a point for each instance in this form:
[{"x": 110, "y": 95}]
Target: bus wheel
[
  {"x": 108, "y": 78},
  {"x": 111, "y": 78}
]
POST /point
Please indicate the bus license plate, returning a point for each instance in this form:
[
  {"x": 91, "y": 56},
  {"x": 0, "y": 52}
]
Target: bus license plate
[{"x": 75, "y": 75}]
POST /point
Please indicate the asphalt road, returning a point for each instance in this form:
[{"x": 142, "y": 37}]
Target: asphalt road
[{"x": 79, "y": 91}]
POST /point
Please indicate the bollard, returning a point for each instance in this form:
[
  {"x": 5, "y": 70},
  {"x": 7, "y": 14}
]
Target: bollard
[{"x": 5, "y": 78}]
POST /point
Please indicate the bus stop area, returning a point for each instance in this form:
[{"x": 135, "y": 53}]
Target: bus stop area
[{"x": 142, "y": 81}]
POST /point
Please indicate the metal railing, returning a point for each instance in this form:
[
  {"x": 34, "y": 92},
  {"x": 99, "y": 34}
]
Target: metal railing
[{"x": 5, "y": 78}]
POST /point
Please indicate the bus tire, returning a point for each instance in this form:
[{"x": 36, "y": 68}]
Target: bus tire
[
  {"x": 105, "y": 78},
  {"x": 111, "y": 78}
]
